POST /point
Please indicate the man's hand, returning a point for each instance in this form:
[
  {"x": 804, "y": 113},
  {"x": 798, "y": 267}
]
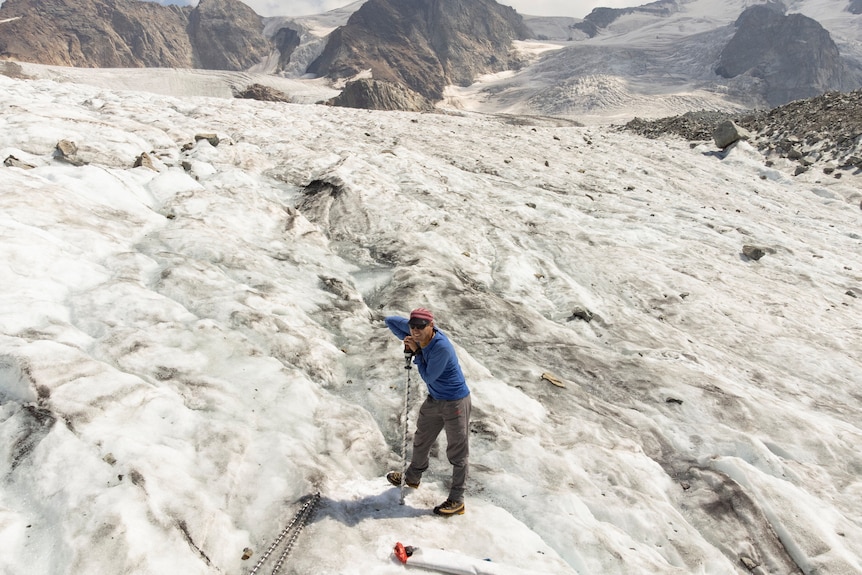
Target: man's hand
[{"x": 410, "y": 342}]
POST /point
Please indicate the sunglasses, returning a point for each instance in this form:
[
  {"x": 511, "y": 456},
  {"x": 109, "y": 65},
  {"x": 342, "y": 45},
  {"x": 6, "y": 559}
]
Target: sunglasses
[{"x": 418, "y": 324}]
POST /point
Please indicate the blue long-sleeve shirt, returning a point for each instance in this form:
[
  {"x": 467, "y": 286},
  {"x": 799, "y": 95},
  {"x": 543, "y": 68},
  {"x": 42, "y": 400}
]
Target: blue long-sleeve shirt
[{"x": 437, "y": 363}]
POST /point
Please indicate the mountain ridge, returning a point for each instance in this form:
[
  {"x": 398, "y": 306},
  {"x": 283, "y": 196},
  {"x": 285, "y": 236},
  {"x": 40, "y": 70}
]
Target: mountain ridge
[
  {"x": 654, "y": 63},
  {"x": 793, "y": 55},
  {"x": 655, "y": 60},
  {"x": 216, "y": 34}
]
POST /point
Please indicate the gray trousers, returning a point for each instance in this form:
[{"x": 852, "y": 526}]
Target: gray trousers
[{"x": 435, "y": 416}]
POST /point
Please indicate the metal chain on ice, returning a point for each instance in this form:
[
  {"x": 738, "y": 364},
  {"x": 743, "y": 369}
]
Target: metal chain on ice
[
  {"x": 408, "y": 365},
  {"x": 293, "y": 528}
]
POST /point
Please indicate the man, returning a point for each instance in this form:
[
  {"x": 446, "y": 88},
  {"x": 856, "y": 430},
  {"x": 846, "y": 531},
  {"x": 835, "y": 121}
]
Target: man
[{"x": 446, "y": 407}]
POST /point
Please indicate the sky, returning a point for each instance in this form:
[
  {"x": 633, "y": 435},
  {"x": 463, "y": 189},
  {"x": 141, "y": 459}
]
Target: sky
[{"x": 191, "y": 350}]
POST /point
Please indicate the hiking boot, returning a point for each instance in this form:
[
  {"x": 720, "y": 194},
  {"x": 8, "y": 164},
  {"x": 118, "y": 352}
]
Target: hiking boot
[
  {"x": 449, "y": 507},
  {"x": 394, "y": 477}
]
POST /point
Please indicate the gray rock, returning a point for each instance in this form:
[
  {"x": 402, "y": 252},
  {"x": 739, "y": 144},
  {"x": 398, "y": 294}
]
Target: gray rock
[
  {"x": 67, "y": 151},
  {"x": 146, "y": 161},
  {"x": 262, "y": 93},
  {"x": 753, "y": 252},
  {"x": 13, "y": 162},
  {"x": 67, "y": 148},
  {"x": 213, "y": 139},
  {"x": 728, "y": 133},
  {"x": 375, "y": 95},
  {"x": 582, "y": 313}
]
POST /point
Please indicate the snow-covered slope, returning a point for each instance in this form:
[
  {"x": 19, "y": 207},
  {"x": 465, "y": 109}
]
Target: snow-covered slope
[
  {"x": 645, "y": 63},
  {"x": 331, "y": 19},
  {"x": 178, "y": 83},
  {"x": 186, "y": 352}
]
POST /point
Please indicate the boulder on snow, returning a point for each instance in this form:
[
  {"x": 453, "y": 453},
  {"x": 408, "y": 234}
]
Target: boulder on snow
[
  {"x": 727, "y": 133},
  {"x": 755, "y": 252},
  {"x": 67, "y": 151},
  {"x": 549, "y": 377},
  {"x": 13, "y": 162},
  {"x": 146, "y": 161},
  {"x": 262, "y": 93},
  {"x": 213, "y": 139},
  {"x": 582, "y": 313}
]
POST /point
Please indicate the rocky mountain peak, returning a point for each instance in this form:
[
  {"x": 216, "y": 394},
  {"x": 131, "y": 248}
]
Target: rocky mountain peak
[
  {"x": 602, "y": 17},
  {"x": 793, "y": 55},
  {"x": 424, "y": 44},
  {"x": 95, "y": 33},
  {"x": 217, "y": 34},
  {"x": 227, "y": 35}
]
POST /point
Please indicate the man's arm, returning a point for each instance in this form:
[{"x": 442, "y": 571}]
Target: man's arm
[{"x": 398, "y": 326}]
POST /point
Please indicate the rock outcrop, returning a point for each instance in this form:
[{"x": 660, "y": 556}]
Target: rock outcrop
[
  {"x": 287, "y": 40},
  {"x": 603, "y": 17},
  {"x": 226, "y": 35},
  {"x": 262, "y": 93},
  {"x": 423, "y": 44},
  {"x": 377, "y": 95},
  {"x": 793, "y": 55},
  {"x": 217, "y": 34},
  {"x": 824, "y": 130},
  {"x": 96, "y": 33},
  {"x": 728, "y": 133}
]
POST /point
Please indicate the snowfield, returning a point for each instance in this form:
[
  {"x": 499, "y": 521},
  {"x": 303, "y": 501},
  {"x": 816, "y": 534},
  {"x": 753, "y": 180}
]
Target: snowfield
[{"x": 188, "y": 351}]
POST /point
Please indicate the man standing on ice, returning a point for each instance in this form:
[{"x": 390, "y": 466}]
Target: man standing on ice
[{"x": 446, "y": 407}]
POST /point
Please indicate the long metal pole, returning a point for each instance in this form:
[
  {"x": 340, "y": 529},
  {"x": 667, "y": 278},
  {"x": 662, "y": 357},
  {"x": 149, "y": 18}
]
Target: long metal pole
[{"x": 408, "y": 365}]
